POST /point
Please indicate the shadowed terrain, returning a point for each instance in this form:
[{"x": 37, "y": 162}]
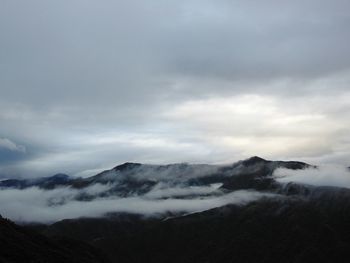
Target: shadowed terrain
[{"x": 21, "y": 244}]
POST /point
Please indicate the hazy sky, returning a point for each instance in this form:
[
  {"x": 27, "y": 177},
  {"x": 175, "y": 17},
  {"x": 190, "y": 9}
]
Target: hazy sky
[{"x": 86, "y": 85}]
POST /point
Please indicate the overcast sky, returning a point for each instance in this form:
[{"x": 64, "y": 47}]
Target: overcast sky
[{"x": 86, "y": 85}]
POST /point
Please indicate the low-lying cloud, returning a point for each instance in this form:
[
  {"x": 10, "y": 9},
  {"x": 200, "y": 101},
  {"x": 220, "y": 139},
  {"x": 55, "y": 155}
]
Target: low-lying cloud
[
  {"x": 46, "y": 206},
  {"x": 164, "y": 191},
  {"x": 329, "y": 175}
]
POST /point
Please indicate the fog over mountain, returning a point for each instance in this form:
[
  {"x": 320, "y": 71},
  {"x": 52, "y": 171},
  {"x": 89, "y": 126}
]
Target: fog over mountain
[
  {"x": 160, "y": 190},
  {"x": 33, "y": 205},
  {"x": 277, "y": 209},
  {"x": 328, "y": 175}
]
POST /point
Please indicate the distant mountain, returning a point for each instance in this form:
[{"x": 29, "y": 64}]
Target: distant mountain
[
  {"x": 44, "y": 182},
  {"x": 135, "y": 178}
]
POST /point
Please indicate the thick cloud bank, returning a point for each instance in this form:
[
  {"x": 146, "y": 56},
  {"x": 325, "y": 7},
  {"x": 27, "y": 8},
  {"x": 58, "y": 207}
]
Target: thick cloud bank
[
  {"x": 36, "y": 205},
  {"x": 329, "y": 175}
]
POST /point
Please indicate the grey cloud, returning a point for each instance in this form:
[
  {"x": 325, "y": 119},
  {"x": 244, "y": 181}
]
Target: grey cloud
[
  {"x": 11, "y": 146},
  {"x": 327, "y": 175},
  {"x": 114, "y": 52},
  {"x": 82, "y": 69},
  {"x": 256, "y": 41},
  {"x": 35, "y": 205},
  {"x": 90, "y": 154},
  {"x": 162, "y": 190},
  {"x": 11, "y": 152}
]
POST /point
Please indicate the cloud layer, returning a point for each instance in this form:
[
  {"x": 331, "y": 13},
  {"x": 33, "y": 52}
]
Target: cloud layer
[
  {"x": 47, "y": 206},
  {"x": 11, "y": 146},
  {"x": 86, "y": 85},
  {"x": 329, "y": 175}
]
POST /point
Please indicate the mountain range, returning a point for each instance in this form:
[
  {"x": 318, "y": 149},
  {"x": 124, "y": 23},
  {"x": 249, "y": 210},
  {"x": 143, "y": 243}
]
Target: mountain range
[
  {"x": 136, "y": 178},
  {"x": 272, "y": 221}
]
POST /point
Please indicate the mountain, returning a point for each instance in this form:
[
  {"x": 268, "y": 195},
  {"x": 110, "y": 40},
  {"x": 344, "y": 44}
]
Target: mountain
[
  {"x": 20, "y": 244},
  {"x": 291, "y": 222},
  {"x": 267, "y": 230},
  {"x": 44, "y": 182},
  {"x": 134, "y": 178},
  {"x": 149, "y": 183}
]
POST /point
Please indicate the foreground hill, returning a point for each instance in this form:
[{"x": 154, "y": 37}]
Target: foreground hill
[
  {"x": 20, "y": 244},
  {"x": 315, "y": 229}
]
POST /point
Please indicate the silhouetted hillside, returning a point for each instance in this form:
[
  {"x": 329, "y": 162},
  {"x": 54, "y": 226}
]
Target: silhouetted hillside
[
  {"x": 19, "y": 244},
  {"x": 269, "y": 230}
]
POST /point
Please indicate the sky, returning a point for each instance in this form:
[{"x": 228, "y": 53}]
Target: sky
[{"x": 86, "y": 85}]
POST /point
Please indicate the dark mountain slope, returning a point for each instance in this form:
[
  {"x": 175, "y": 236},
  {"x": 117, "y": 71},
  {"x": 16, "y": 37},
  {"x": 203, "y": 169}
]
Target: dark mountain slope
[
  {"x": 282, "y": 229},
  {"x": 255, "y": 173},
  {"x": 136, "y": 178},
  {"x": 19, "y": 244},
  {"x": 44, "y": 182}
]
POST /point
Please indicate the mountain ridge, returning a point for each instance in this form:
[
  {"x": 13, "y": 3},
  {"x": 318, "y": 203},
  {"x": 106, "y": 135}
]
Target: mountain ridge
[{"x": 130, "y": 168}]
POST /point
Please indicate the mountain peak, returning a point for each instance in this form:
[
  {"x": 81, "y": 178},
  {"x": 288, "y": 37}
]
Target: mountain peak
[
  {"x": 126, "y": 166},
  {"x": 59, "y": 176},
  {"x": 253, "y": 160}
]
